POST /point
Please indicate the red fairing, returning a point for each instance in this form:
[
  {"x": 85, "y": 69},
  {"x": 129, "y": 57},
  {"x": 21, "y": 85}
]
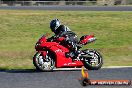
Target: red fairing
[
  {"x": 87, "y": 39},
  {"x": 61, "y": 59},
  {"x": 59, "y": 51},
  {"x": 60, "y": 39},
  {"x": 42, "y": 39}
]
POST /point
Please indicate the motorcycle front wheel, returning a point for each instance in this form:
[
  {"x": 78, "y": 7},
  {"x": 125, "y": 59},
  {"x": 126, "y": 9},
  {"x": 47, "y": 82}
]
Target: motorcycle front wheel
[
  {"x": 92, "y": 60},
  {"x": 43, "y": 64}
]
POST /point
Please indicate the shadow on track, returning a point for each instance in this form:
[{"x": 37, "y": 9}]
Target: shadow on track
[
  {"x": 18, "y": 70},
  {"x": 34, "y": 70}
]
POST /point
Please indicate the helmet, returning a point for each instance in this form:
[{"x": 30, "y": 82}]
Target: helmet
[{"x": 54, "y": 24}]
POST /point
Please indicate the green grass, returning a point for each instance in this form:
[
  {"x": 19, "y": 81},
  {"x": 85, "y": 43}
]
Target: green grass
[{"x": 19, "y": 31}]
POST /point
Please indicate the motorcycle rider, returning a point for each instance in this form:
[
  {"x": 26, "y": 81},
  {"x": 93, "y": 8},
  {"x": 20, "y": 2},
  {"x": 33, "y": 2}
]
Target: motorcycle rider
[{"x": 70, "y": 38}]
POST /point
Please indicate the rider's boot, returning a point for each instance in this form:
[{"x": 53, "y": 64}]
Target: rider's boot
[
  {"x": 70, "y": 54},
  {"x": 73, "y": 54},
  {"x": 74, "y": 51}
]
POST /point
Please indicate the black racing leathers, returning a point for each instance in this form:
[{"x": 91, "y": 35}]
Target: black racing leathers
[{"x": 70, "y": 38}]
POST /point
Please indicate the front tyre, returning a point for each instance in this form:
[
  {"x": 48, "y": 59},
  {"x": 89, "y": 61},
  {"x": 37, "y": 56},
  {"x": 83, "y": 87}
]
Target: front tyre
[
  {"x": 43, "y": 64},
  {"x": 92, "y": 60}
]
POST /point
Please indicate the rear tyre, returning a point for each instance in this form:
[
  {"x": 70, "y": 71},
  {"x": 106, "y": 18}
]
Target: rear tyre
[
  {"x": 43, "y": 64},
  {"x": 93, "y": 60}
]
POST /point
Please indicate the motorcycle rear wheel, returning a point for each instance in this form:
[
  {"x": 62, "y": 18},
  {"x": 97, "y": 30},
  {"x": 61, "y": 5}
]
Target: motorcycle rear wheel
[
  {"x": 43, "y": 64},
  {"x": 93, "y": 62}
]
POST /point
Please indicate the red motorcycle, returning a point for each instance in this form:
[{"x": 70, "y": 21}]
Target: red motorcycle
[{"x": 51, "y": 54}]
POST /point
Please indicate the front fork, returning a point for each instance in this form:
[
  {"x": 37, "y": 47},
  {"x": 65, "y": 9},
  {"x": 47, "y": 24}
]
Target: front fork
[{"x": 45, "y": 55}]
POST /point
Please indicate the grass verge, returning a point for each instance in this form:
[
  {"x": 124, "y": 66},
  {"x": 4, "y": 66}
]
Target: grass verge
[{"x": 19, "y": 31}]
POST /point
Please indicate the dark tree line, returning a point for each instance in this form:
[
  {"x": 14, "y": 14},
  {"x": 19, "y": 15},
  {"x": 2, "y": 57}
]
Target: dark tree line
[{"x": 48, "y": 0}]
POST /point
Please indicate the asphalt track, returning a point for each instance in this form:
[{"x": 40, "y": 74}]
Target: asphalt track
[
  {"x": 60, "y": 78},
  {"x": 70, "y": 8}
]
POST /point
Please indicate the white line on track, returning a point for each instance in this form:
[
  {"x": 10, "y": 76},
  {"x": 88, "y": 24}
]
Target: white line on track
[
  {"x": 117, "y": 67},
  {"x": 102, "y": 67}
]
